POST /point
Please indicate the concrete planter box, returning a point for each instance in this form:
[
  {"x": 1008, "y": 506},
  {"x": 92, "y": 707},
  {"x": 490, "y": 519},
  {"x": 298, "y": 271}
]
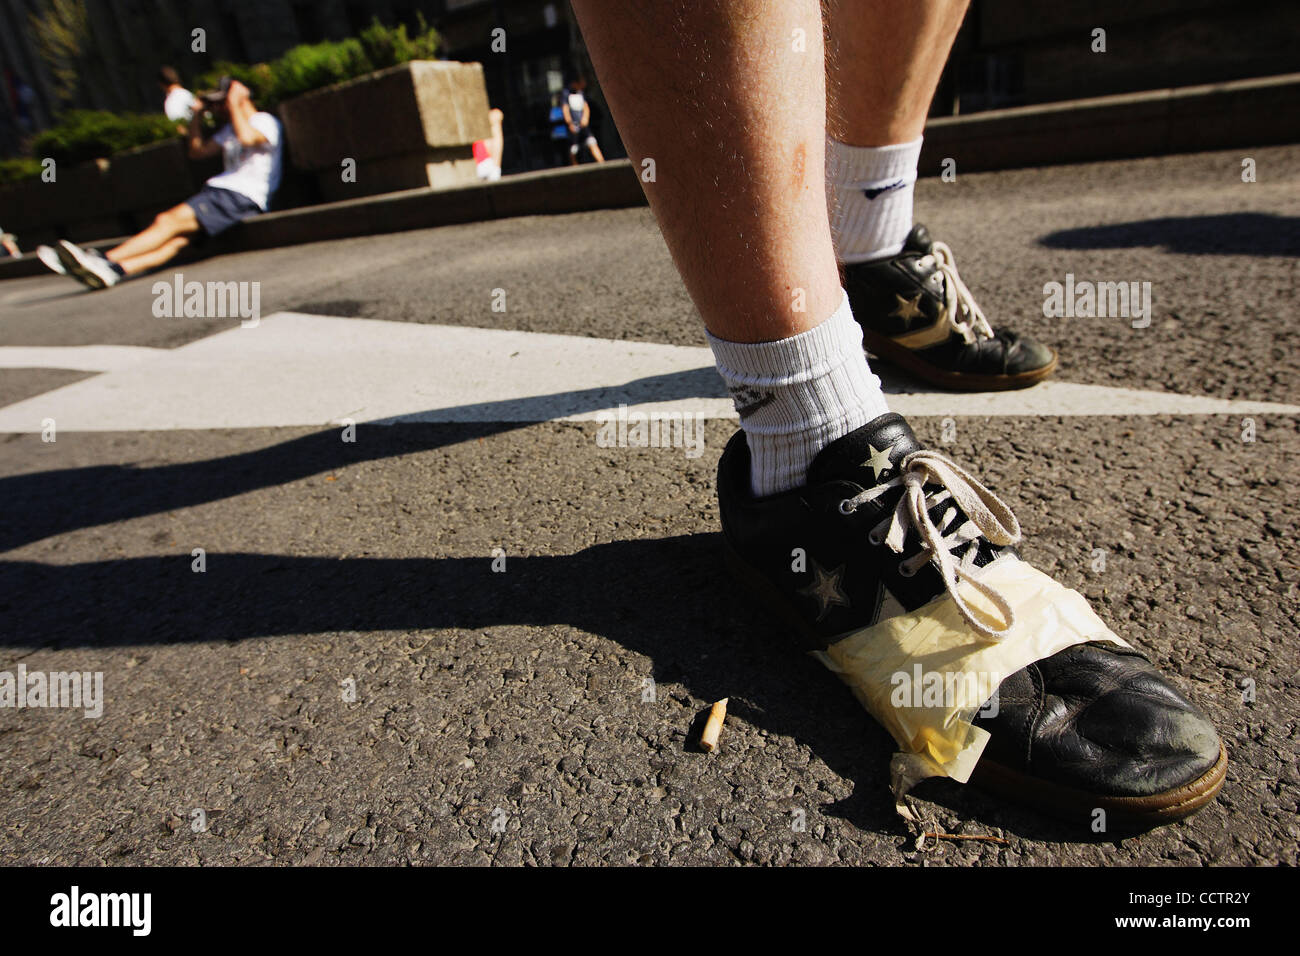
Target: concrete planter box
[
  {"x": 23, "y": 205},
  {"x": 149, "y": 179},
  {"x": 407, "y": 127},
  {"x": 98, "y": 199},
  {"x": 77, "y": 205}
]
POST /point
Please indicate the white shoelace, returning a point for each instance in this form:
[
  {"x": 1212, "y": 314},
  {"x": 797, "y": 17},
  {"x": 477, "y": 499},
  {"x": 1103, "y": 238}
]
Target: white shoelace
[
  {"x": 987, "y": 516},
  {"x": 964, "y": 315}
]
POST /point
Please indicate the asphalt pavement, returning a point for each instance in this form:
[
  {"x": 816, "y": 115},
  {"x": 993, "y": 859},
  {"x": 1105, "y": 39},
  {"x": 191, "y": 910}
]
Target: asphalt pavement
[{"x": 470, "y": 633}]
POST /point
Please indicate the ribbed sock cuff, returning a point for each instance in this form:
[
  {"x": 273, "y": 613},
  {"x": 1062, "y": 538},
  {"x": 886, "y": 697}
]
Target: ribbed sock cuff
[
  {"x": 797, "y": 395},
  {"x": 859, "y": 165},
  {"x": 800, "y": 358},
  {"x": 869, "y": 193}
]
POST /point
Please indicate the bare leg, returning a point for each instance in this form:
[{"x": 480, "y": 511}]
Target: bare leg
[
  {"x": 596, "y": 154},
  {"x": 174, "y": 222},
  {"x": 734, "y": 121},
  {"x": 153, "y": 259},
  {"x": 885, "y": 59},
  {"x": 728, "y": 100},
  {"x": 496, "y": 143}
]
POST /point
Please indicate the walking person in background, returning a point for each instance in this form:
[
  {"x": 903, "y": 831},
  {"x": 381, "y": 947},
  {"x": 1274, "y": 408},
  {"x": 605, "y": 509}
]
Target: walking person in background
[
  {"x": 577, "y": 118},
  {"x": 251, "y": 143},
  {"x": 559, "y": 131},
  {"x": 21, "y": 100}
]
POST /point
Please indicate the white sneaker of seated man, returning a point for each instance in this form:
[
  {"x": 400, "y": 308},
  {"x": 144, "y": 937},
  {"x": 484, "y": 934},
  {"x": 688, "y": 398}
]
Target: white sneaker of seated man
[{"x": 85, "y": 265}]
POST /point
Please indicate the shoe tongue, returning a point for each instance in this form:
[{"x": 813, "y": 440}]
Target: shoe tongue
[
  {"x": 918, "y": 240},
  {"x": 867, "y": 456}
]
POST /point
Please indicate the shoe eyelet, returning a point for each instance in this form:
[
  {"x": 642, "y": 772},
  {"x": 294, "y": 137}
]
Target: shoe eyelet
[
  {"x": 903, "y": 571},
  {"x": 846, "y": 510},
  {"x": 875, "y": 539}
]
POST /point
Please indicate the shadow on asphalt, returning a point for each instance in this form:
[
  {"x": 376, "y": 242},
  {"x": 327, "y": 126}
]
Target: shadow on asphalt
[
  {"x": 669, "y": 599},
  {"x": 41, "y": 504},
  {"x": 105, "y": 494},
  {"x": 1226, "y": 234},
  {"x": 666, "y": 598},
  {"x": 40, "y": 298}
]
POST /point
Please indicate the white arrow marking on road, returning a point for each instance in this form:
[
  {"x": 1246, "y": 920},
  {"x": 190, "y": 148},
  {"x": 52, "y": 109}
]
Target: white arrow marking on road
[{"x": 296, "y": 370}]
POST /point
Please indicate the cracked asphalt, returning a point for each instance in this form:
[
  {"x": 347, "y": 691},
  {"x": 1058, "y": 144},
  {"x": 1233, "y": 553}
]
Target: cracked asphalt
[{"x": 350, "y": 682}]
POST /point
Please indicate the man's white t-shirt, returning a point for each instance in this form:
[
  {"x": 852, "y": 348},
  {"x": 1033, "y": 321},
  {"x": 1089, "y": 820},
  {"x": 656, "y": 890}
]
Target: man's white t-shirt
[
  {"x": 252, "y": 171},
  {"x": 179, "y": 105}
]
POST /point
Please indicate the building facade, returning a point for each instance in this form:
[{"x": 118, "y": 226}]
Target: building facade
[{"x": 1010, "y": 52}]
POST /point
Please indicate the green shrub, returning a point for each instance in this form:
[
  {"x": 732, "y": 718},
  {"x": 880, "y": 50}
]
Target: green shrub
[
  {"x": 257, "y": 77},
  {"x": 82, "y": 135},
  {"x": 311, "y": 66},
  {"x": 386, "y": 47},
  {"x": 17, "y": 170}
]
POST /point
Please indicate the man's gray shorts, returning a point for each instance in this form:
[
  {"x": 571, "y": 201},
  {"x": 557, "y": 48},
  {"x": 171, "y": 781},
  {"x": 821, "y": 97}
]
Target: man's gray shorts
[{"x": 218, "y": 209}]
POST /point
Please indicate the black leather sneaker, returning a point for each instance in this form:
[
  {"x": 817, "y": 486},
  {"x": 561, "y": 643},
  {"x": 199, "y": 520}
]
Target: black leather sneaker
[
  {"x": 1092, "y": 726},
  {"x": 916, "y": 312}
]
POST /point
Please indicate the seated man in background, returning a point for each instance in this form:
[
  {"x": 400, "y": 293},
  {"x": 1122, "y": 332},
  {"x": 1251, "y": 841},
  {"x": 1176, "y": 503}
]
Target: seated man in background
[{"x": 252, "y": 146}]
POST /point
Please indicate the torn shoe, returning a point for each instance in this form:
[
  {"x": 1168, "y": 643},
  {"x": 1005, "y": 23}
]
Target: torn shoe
[{"x": 898, "y": 570}]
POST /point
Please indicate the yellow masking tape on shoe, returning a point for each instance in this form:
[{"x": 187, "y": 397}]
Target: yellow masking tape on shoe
[{"x": 925, "y": 674}]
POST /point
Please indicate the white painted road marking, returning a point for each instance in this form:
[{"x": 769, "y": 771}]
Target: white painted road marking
[
  {"x": 79, "y": 358},
  {"x": 306, "y": 370}
]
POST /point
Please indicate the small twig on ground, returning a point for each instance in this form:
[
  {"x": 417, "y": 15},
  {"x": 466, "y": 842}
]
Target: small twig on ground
[{"x": 966, "y": 836}]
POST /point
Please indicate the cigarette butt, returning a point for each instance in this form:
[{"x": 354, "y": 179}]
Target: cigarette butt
[{"x": 713, "y": 727}]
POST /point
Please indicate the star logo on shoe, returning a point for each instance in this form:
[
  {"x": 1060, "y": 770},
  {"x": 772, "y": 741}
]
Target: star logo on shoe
[
  {"x": 908, "y": 309},
  {"x": 826, "y": 590},
  {"x": 879, "y": 461}
]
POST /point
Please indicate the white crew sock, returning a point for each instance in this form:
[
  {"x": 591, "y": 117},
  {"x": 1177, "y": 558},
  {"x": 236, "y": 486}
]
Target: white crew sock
[
  {"x": 869, "y": 195},
  {"x": 798, "y": 395}
]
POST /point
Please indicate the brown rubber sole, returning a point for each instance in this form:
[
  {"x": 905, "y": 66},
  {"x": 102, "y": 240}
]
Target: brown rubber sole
[
  {"x": 957, "y": 381},
  {"x": 1121, "y": 812}
]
